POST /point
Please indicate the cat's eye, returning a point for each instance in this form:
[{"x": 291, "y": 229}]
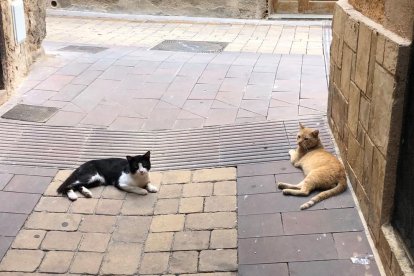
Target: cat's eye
[{"x": 298, "y": 136}]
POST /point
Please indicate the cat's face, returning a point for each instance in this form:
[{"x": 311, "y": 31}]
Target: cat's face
[
  {"x": 140, "y": 163},
  {"x": 307, "y": 138}
]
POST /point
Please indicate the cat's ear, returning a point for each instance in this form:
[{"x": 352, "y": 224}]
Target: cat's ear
[
  {"x": 301, "y": 125},
  {"x": 147, "y": 154},
  {"x": 315, "y": 133},
  {"x": 129, "y": 158}
]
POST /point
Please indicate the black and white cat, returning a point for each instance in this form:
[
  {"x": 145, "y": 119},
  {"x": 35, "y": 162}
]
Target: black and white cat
[{"x": 130, "y": 174}]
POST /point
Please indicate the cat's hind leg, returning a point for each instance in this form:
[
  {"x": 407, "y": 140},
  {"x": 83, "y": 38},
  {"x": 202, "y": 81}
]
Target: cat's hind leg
[
  {"x": 86, "y": 192},
  {"x": 302, "y": 192},
  {"x": 90, "y": 182},
  {"x": 72, "y": 195}
]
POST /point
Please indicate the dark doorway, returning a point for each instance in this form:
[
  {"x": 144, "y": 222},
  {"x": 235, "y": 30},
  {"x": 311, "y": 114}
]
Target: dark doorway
[{"x": 403, "y": 218}]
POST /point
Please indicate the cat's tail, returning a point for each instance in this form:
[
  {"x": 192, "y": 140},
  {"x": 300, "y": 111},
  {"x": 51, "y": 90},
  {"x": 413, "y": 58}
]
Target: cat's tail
[
  {"x": 339, "y": 188},
  {"x": 67, "y": 184}
]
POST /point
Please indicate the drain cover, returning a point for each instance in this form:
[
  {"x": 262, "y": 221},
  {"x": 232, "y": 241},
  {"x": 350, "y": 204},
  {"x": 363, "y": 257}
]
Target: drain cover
[
  {"x": 30, "y": 113},
  {"x": 191, "y": 46},
  {"x": 84, "y": 49}
]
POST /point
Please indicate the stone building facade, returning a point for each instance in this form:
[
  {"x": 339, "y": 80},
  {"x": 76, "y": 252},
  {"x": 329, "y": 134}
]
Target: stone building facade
[
  {"x": 212, "y": 8},
  {"x": 368, "y": 91},
  {"x": 16, "y": 59}
]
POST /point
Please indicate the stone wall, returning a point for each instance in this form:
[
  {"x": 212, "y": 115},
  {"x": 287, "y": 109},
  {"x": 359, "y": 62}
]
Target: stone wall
[
  {"x": 368, "y": 77},
  {"x": 212, "y": 8},
  {"x": 16, "y": 59}
]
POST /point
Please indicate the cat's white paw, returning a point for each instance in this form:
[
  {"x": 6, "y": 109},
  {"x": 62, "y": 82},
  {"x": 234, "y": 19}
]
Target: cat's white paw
[
  {"x": 151, "y": 188},
  {"x": 292, "y": 152},
  {"x": 86, "y": 192},
  {"x": 72, "y": 195}
]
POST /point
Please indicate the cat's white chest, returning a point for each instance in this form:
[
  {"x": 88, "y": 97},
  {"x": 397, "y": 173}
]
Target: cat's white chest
[{"x": 137, "y": 179}]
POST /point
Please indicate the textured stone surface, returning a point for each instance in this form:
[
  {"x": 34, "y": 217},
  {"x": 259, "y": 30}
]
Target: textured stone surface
[
  {"x": 121, "y": 259},
  {"x": 218, "y": 260},
  {"x": 21, "y": 260},
  {"x": 234, "y": 8}
]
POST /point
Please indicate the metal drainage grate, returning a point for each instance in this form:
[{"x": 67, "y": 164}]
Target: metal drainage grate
[
  {"x": 83, "y": 49},
  {"x": 67, "y": 147},
  {"x": 191, "y": 46},
  {"x": 30, "y": 113}
]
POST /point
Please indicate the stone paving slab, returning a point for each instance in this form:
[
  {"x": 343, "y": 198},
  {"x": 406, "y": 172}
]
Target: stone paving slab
[
  {"x": 20, "y": 190},
  {"x": 161, "y": 233},
  {"x": 276, "y": 238}
]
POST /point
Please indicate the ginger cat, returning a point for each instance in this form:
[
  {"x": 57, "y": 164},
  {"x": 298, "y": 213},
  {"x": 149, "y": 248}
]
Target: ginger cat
[{"x": 323, "y": 170}]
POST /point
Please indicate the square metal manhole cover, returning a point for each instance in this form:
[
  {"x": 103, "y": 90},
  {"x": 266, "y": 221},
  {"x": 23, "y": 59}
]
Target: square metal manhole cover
[
  {"x": 83, "y": 49},
  {"x": 30, "y": 113},
  {"x": 191, "y": 46}
]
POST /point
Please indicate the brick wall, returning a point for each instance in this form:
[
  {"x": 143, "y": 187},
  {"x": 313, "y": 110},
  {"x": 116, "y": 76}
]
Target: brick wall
[{"x": 369, "y": 71}]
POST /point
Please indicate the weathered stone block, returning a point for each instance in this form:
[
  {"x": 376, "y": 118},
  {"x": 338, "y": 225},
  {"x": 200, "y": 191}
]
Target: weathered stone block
[
  {"x": 355, "y": 157},
  {"x": 353, "y": 108},
  {"x": 218, "y": 174},
  {"x": 108, "y": 207},
  {"x": 346, "y": 71},
  {"x": 53, "y": 221},
  {"x": 84, "y": 206},
  {"x": 226, "y": 238},
  {"x": 351, "y": 33},
  {"x": 167, "y": 223},
  {"x": 191, "y": 205},
  {"x": 371, "y": 65},
  {"x": 56, "y": 262},
  {"x": 368, "y": 155},
  {"x": 339, "y": 112},
  {"x": 382, "y": 104},
  {"x": 166, "y": 206},
  {"x": 159, "y": 242},
  {"x": 191, "y": 240},
  {"x": 94, "y": 242},
  {"x": 183, "y": 262},
  {"x": 87, "y": 263},
  {"x": 28, "y": 239},
  {"x": 53, "y": 204},
  {"x": 198, "y": 189},
  {"x": 391, "y": 50},
  {"x": 121, "y": 259},
  {"x": 170, "y": 191},
  {"x": 362, "y": 59},
  {"x": 98, "y": 223},
  {"x": 154, "y": 263},
  {"x": 364, "y": 111},
  {"x": 206, "y": 221},
  {"x": 132, "y": 229},
  {"x": 21, "y": 260},
  {"x": 225, "y": 188},
  {"x": 220, "y": 203},
  {"x": 176, "y": 177},
  {"x": 379, "y": 53},
  {"x": 218, "y": 260},
  {"x": 60, "y": 240}
]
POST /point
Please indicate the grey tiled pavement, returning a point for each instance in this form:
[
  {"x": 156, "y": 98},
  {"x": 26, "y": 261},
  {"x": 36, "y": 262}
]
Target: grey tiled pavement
[
  {"x": 128, "y": 87},
  {"x": 20, "y": 190}
]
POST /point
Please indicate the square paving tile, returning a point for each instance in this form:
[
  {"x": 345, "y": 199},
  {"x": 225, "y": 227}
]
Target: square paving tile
[
  {"x": 20, "y": 203},
  {"x": 260, "y": 225},
  {"x": 256, "y": 184},
  {"x": 28, "y": 184},
  {"x": 13, "y": 225},
  {"x": 30, "y": 113},
  {"x": 321, "y": 221},
  {"x": 279, "y": 269},
  {"x": 333, "y": 267},
  {"x": 287, "y": 249}
]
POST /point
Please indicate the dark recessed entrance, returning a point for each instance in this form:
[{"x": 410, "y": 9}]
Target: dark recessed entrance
[{"x": 403, "y": 218}]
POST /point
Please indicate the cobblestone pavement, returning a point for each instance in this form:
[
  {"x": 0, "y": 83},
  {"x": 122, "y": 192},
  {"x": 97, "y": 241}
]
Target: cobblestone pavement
[
  {"x": 188, "y": 227},
  {"x": 220, "y": 221}
]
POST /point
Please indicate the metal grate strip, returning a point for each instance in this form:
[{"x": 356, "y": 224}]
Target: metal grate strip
[{"x": 67, "y": 147}]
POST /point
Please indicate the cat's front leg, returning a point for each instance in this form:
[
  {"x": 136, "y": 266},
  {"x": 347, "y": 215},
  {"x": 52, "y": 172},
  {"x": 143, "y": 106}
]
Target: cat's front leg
[
  {"x": 133, "y": 189},
  {"x": 151, "y": 188},
  {"x": 293, "y": 155}
]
